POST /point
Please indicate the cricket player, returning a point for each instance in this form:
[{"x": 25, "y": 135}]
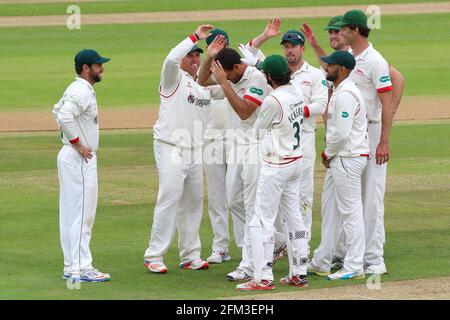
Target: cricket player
[
  {"x": 345, "y": 157},
  {"x": 279, "y": 127},
  {"x": 311, "y": 82},
  {"x": 371, "y": 75},
  {"x": 214, "y": 156},
  {"x": 178, "y": 142},
  {"x": 245, "y": 88},
  {"x": 77, "y": 116}
]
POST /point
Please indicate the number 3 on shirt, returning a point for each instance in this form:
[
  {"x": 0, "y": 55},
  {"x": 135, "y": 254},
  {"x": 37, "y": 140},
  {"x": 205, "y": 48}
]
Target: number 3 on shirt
[{"x": 296, "y": 125}]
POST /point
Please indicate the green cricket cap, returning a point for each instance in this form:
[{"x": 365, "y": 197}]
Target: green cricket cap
[
  {"x": 355, "y": 17},
  {"x": 89, "y": 56},
  {"x": 274, "y": 65},
  {"x": 342, "y": 58},
  {"x": 293, "y": 36},
  {"x": 214, "y": 34},
  {"x": 333, "y": 24}
]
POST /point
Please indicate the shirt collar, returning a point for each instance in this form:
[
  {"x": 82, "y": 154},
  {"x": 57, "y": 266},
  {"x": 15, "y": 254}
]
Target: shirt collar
[
  {"x": 246, "y": 73},
  {"x": 304, "y": 68},
  {"x": 77, "y": 78},
  {"x": 346, "y": 80},
  {"x": 363, "y": 55}
]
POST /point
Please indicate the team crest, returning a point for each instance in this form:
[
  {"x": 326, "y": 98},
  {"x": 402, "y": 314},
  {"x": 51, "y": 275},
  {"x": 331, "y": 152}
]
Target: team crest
[{"x": 191, "y": 99}]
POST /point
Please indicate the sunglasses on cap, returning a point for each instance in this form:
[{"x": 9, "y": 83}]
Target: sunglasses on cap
[{"x": 292, "y": 37}]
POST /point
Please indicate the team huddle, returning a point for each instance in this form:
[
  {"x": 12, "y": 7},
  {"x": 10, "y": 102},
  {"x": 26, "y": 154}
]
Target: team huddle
[{"x": 247, "y": 123}]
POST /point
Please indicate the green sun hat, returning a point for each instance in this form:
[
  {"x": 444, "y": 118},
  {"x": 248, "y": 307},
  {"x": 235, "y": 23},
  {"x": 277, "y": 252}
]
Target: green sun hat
[
  {"x": 214, "y": 34},
  {"x": 293, "y": 36},
  {"x": 342, "y": 58},
  {"x": 354, "y": 17},
  {"x": 274, "y": 65},
  {"x": 333, "y": 24},
  {"x": 89, "y": 56}
]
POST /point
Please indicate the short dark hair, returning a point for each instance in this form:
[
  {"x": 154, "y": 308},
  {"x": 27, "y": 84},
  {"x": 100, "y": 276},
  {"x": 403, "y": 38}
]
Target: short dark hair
[
  {"x": 281, "y": 80},
  {"x": 364, "y": 31},
  {"x": 79, "y": 69},
  {"x": 228, "y": 58}
]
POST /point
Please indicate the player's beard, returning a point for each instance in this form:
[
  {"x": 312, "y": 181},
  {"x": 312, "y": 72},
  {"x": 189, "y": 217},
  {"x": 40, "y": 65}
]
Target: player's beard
[
  {"x": 332, "y": 77},
  {"x": 95, "y": 76}
]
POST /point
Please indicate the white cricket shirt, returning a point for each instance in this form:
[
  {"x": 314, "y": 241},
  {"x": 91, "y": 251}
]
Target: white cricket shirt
[
  {"x": 371, "y": 76},
  {"x": 183, "y": 102},
  {"x": 77, "y": 115},
  {"x": 252, "y": 86},
  {"x": 346, "y": 134},
  {"x": 315, "y": 91},
  {"x": 282, "y": 115}
]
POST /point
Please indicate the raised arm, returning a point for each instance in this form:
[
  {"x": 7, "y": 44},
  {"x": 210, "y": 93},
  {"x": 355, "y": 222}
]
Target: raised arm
[
  {"x": 271, "y": 30},
  {"x": 171, "y": 68},
  {"x": 243, "y": 107},
  {"x": 204, "y": 73},
  {"x": 314, "y": 43}
]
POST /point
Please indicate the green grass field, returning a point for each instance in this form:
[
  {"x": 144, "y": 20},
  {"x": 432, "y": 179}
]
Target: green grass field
[
  {"x": 37, "y": 62},
  {"x": 37, "y": 65},
  {"x": 116, "y": 6},
  {"x": 417, "y": 223}
]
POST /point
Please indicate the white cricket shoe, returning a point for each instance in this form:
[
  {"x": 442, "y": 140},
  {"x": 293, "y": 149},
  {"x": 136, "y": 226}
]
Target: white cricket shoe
[
  {"x": 238, "y": 275},
  {"x": 196, "y": 264},
  {"x": 93, "y": 275},
  {"x": 155, "y": 266},
  {"x": 376, "y": 269},
  {"x": 219, "y": 257},
  {"x": 312, "y": 269},
  {"x": 344, "y": 274}
]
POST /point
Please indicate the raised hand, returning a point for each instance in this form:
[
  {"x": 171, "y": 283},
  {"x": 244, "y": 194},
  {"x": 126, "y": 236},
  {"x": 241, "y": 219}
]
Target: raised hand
[
  {"x": 219, "y": 73},
  {"x": 273, "y": 28},
  {"x": 203, "y": 31},
  {"x": 215, "y": 46},
  {"x": 309, "y": 34},
  {"x": 249, "y": 58}
]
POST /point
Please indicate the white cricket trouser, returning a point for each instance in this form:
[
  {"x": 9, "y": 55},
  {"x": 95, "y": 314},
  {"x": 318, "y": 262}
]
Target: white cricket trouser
[
  {"x": 306, "y": 193},
  {"x": 277, "y": 194},
  {"x": 216, "y": 172},
  {"x": 308, "y": 145},
  {"x": 373, "y": 189},
  {"x": 242, "y": 180},
  {"x": 179, "y": 203},
  {"x": 77, "y": 206},
  {"x": 242, "y": 174},
  {"x": 342, "y": 206}
]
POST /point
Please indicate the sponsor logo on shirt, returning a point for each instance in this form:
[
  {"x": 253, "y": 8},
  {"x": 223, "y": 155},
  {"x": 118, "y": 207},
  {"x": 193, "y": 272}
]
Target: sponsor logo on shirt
[
  {"x": 344, "y": 114},
  {"x": 198, "y": 102},
  {"x": 385, "y": 79},
  {"x": 256, "y": 91},
  {"x": 202, "y": 102},
  {"x": 324, "y": 82}
]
